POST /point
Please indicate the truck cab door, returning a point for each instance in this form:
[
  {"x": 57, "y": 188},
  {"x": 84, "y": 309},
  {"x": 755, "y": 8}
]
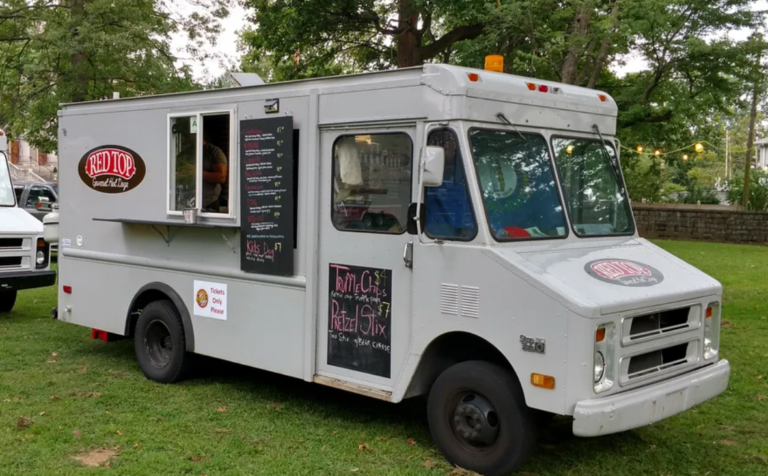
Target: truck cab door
[{"x": 365, "y": 285}]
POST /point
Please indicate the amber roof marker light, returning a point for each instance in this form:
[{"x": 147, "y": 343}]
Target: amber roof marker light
[{"x": 494, "y": 63}]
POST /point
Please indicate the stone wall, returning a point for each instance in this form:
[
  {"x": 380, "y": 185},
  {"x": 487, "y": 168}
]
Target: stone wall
[{"x": 701, "y": 222}]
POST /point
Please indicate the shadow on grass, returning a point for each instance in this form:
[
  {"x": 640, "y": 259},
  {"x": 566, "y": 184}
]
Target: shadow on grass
[{"x": 557, "y": 450}]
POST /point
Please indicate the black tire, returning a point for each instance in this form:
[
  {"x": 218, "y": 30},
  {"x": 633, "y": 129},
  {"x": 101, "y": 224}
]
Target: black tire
[
  {"x": 160, "y": 344},
  {"x": 7, "y": 300},
  {"x": 497, "y": 439}
]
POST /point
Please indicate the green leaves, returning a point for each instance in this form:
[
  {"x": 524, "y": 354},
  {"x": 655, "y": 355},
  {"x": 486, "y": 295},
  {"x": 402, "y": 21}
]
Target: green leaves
[{"x": 57, "y": 52}]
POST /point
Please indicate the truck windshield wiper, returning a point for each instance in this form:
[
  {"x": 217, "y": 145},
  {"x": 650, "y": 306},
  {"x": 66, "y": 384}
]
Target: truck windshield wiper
[
  {"x": 500, "y": 116},
  {"x": 611, "y": 161}
]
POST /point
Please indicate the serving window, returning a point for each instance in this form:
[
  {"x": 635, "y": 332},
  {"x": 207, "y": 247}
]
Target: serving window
[
  {"x": 372, "y": 182},
  {"x": 201, "y": 163}
]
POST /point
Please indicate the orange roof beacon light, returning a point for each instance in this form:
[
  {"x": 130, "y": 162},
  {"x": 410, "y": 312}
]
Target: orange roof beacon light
[{"x": 494, "y": 63}]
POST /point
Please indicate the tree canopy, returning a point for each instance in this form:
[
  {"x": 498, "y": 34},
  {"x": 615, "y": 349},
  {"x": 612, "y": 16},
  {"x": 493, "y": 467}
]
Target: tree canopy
[
  {"x": 60, "y": 51},
  {"x": 696, "y": 77}
]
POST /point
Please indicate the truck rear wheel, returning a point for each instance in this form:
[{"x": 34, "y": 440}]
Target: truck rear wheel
[
  {"x": 479, "y": 420},
  {"x": 7, "y": 300},
  {"x": 160, "y": 344}
]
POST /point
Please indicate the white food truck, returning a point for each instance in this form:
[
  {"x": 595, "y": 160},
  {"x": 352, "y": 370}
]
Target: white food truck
[
  {"x": 24, "y": 254},
  {"x": 437, "y": 230}
]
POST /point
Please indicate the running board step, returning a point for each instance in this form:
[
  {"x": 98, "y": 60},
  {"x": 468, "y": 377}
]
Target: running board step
[{"x": 376, "y": 393}]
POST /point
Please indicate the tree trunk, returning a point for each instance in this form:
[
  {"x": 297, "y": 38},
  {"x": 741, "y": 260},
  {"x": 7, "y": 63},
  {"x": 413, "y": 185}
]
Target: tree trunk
[
  {"x": 409, "y": 41},
  {"x": 751, "y": 139},
  {"x": 605, "y": 46},
  {"x": 597, "y": 67},
  {"x": 79, "y": 73},
  {"x": 579, "y": 31}
]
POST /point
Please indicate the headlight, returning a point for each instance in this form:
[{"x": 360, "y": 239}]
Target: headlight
[
  {"x": 712, "y": 331},
  {"x": 604, "y": 367},
  {"x": 43, "y": 253},
  {"x": 599, "y": 366}
]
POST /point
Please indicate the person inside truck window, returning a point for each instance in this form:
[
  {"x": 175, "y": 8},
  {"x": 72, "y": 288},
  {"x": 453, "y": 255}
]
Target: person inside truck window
[
  {"x": 448, "y": 208},
  {"x": 215, "y": 172},
  {"x": 518, "y": 185},
  {"x": 372, "y": 182}
]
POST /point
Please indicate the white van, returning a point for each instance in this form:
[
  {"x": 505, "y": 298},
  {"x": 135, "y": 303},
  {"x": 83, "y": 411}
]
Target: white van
[
  {"x": 435, "y": 230},
  {"x": 24, "y": 254}
]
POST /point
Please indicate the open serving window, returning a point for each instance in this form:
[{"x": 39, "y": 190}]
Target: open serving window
[{"x": 202, "y": 163}]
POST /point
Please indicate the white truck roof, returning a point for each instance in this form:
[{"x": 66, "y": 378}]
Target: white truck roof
[{"x": 445, "y": 79}]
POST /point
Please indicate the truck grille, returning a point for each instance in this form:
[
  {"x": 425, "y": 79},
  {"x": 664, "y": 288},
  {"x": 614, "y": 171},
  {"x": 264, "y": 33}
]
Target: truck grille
[
  {"x": 655, "y": 363},
  {"x": 660, "y": 324},
  {"x": 11, "y": 243},
  {"x": 657, "y": 360},
  {"x": 10, "y": 262}
]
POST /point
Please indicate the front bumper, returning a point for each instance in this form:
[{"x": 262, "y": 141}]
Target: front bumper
[
  {"x": 647, "y": 405},
  {"x": 26, "y": 280}
]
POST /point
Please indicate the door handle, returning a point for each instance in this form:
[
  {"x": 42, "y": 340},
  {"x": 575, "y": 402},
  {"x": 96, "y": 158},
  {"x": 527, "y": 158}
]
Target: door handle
[{"x": 408, "y": 254}]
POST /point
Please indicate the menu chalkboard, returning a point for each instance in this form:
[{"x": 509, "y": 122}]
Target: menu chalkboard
[
  {"x": 266, "y": 196},
  {"x": 360, "y": 319}
]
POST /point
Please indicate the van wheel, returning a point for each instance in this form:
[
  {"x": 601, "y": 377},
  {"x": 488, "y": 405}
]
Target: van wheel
[
  {"x": 7, "y": 300},
  {"x": 160, "y": 344},
  {"x": 478, "y": 418}
]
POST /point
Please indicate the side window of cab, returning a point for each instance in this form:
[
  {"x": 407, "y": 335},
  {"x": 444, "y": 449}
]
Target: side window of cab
[{"x": 449, "y": 214}]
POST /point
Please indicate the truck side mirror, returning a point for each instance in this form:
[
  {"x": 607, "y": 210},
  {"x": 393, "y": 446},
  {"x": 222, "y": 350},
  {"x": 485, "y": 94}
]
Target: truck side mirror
[{"x": 433, "y": 166}]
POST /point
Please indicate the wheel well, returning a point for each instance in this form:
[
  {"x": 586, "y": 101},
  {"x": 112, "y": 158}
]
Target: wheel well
[
  {"x": 139, "y": 303},
  {"x": 156, "y": 292},
  {"x": 450, "y": 349}
]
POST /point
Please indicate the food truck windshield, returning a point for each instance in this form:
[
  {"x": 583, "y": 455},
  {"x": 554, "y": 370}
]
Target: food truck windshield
[
  {"x": 7, "y": 198},
  {"x": 519, "y": 190}
]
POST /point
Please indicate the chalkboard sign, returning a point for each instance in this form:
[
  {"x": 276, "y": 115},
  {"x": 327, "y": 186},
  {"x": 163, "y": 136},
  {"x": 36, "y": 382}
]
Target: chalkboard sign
[
  {"x": 360, "y": 319},
  {"x": 266, "y": 196}
]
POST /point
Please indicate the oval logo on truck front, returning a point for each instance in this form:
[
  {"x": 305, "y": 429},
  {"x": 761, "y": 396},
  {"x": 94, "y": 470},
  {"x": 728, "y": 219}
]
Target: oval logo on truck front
[
  {"x": 112, "y": 169},
  {"x": 624, "y": 272}
]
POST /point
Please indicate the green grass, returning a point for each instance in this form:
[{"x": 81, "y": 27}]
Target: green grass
[{"x": 63, "y": 395}]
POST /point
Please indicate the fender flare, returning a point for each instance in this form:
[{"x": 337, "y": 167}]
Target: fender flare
[{"x": 170, "y": 293}]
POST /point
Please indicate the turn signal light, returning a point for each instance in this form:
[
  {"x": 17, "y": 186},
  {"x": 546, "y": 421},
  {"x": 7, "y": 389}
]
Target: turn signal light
[
  {"x": 543, "y": 381},
  {"x": 600, "y": 334},
  {"x": 67, "y": 289},
  {"x": 709, "y": 312}
]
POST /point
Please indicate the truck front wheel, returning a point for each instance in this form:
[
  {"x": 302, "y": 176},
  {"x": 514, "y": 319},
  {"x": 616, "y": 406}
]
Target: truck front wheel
[
  {"x": 7, "y": 300},
  {"x": 160, "y": 344},
  {"x": 479, "y": 420}
]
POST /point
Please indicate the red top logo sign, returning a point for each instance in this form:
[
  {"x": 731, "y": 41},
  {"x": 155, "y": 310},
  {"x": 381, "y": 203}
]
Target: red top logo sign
[
  {"x": 619, "y": 269},
  {"x": 624, "y": 272},
  {"x": 110, "y": 162},
  {"x": 112, "y": 169}
]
